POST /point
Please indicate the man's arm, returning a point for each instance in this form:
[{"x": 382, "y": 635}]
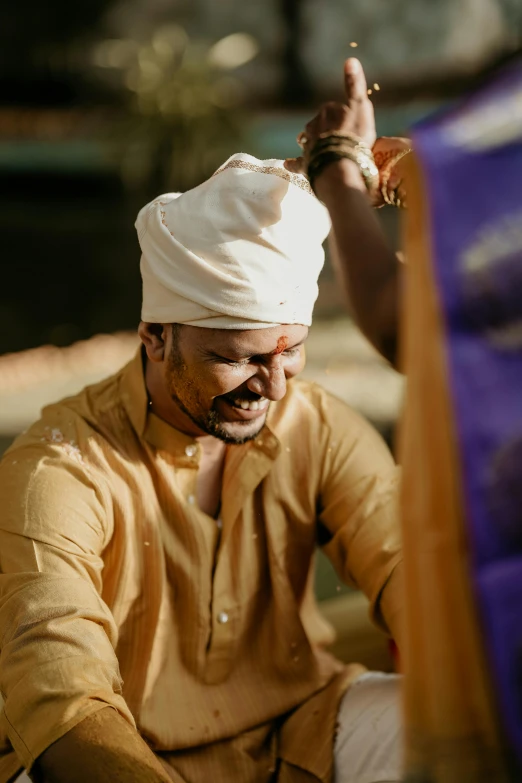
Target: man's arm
[
  {"x": 359, "y": 515},
  {"x": 64, "y": 710},
  {"x": 102, "y": 748}
]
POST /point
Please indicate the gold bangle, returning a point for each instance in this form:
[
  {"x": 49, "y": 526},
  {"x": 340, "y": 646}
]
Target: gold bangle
[
  {"x": 356, "y": 140},
  {"x": 321, "y": 158},
  {"x": 332, "y": 146}
]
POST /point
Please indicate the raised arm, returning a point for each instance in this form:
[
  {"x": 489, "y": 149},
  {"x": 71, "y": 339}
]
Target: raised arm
[{"x": 363, "y": 259}]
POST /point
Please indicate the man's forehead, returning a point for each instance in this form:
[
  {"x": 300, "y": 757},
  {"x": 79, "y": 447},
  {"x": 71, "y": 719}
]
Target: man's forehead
[{"x": 253, "y": 341}]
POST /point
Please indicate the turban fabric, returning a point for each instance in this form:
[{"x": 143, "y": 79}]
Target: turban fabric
[{"x": 243, "y": 250}]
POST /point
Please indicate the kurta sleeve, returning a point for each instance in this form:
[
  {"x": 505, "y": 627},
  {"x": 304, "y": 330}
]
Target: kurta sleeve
[
  {"x": 359, "y": 514},
  {"x": 57, "y": 636}
]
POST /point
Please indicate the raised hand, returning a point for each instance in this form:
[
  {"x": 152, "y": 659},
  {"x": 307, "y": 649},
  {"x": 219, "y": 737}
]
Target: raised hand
[{"x": 356, "y": 116}]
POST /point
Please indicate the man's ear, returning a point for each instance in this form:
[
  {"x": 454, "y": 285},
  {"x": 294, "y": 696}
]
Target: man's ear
[{"x": 154, "y": 338}]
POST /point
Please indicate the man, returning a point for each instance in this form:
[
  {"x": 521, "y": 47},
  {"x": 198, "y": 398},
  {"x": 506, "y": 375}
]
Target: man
[{"x": 157, "y": 617}]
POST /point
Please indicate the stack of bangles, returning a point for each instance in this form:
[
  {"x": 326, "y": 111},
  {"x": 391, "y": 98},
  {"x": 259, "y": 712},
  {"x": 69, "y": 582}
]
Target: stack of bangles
[{"x": 336, "y": 145}]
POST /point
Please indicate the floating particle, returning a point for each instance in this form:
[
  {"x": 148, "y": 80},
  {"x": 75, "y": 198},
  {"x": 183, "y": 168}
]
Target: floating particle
[
  {"x": 72, "y": 450},
  {"x": 370, "y": 92},
  {"x": 376, "y": 87},
  {"x": 354, "y": 45}
]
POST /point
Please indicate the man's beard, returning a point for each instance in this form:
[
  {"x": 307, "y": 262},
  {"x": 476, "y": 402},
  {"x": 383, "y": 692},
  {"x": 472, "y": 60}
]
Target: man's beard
[{"x": 210, "y": 423}]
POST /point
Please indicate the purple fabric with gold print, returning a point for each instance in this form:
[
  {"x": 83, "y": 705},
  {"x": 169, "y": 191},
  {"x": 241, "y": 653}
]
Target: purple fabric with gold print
[{"x": 471, "y": 156}]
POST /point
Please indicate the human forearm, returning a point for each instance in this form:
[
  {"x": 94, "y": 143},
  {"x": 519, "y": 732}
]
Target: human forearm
[
  {"x": 363, "y": 259},
  {"x": 102, "y": 748}
]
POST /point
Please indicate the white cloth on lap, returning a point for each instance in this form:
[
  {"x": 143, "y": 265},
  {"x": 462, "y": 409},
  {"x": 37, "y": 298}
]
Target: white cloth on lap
[{"x": 368, "y": 745}]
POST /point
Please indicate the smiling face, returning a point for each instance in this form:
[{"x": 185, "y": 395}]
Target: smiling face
[{"x": 224, "y": 380}]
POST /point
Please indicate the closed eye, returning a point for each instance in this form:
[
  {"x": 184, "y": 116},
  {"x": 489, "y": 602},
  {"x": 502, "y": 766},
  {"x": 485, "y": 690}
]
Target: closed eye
[
  {"x": 234, "y": 362},
  {"x": 290, "y": 352}
]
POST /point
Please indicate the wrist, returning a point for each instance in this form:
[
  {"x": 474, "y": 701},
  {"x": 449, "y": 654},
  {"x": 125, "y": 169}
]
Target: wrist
[{"x": 344, "y": 173}]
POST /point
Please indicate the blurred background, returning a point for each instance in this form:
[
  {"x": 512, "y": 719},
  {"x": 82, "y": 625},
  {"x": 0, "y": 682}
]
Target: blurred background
[{"x": 104, "y": 104}]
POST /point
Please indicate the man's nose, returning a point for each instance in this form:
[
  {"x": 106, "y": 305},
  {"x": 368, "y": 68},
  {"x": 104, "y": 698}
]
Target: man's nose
[{"x": 269, "y": 380}]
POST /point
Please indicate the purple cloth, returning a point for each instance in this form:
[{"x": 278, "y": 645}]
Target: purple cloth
[{"x": 472, "y": 159}]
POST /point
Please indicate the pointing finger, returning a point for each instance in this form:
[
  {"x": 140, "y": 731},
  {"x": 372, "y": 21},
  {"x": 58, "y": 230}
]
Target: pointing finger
[{"x": 354, "y": 81}]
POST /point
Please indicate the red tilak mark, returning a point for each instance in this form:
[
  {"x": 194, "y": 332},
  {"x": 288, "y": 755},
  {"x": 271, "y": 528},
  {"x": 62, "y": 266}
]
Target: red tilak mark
[{"x": 282, "y": 345}]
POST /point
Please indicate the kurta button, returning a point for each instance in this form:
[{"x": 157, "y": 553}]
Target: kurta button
[
  {"x": 222, "y": 618},
  {"x": 191, "y": 449}
]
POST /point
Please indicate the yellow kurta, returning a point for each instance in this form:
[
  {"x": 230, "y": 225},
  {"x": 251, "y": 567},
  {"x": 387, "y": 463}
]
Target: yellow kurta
[{"x": 116, "y": 589}]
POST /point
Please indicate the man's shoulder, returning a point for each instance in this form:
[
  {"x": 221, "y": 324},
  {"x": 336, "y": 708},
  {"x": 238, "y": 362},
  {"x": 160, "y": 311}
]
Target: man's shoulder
[
  {"x": 53, "y": 476},
  {"x": 316, "y": 428},
  {"x": 75, "y": 422}
]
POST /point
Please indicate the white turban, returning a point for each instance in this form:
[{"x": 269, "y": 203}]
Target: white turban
[{"x": 241, "y": 251}]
